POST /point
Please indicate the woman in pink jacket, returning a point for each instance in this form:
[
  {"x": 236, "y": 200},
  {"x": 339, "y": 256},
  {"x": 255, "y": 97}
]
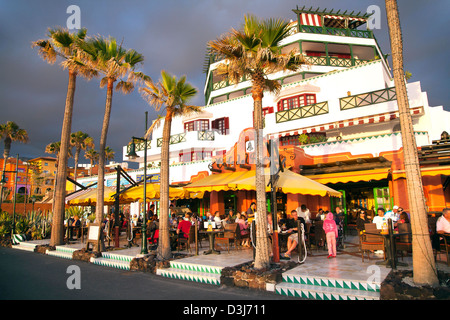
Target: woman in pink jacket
[{"x": 330, "y": 228}]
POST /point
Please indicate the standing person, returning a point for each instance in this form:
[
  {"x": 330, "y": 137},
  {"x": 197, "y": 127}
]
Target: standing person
[
  {"x": 251, "y": 212},
  {"x": 331, "y": 231},
  {"x": 151, "y": 212},
  {"x": 303, "y": 212}
]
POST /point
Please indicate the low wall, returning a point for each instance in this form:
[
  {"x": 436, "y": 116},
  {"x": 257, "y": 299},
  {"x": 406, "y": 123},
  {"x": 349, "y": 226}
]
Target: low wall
[{"x": 24, "y": 208}]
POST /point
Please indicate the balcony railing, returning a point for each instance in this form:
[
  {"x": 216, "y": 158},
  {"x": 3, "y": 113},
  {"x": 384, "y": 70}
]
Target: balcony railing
[
  {"x": 177, "y": 138},
  {"x": 139, "y": 146},
  {"x": 206, "y": 135},
  {"x": 368, "y": 34},
  {"x": 302, "y": 112},
  {"x": 333, "y": 61},
  {"x": 365, "y": 99}
]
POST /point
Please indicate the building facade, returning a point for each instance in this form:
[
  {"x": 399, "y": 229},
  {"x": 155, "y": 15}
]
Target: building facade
[{"x": 335, "y": 121}]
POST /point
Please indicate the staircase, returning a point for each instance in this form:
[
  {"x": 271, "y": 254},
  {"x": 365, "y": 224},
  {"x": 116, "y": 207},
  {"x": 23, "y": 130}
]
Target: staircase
[
  {"x": 62, "y": 252},
  {"x": 192, "y": 272},
  {"x": 321, "y": 288}
]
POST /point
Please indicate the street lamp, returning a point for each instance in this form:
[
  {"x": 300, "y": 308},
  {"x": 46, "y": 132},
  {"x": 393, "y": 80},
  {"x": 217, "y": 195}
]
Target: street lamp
[{"x": 132, "y": 155}]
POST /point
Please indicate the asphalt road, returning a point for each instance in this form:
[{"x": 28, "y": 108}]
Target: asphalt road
[{"x": 32, "y": 276}]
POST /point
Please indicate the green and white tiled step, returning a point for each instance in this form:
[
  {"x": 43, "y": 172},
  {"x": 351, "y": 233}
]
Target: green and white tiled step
[
  {"x": 113, "y": 260},
  {"x": 62, "y": 252},
  {"x": 192, "y": 272},
  {"x": 24, "y": 245},
  {"x": 327, "y": 288},
  {"x": 18, "y": 238}
]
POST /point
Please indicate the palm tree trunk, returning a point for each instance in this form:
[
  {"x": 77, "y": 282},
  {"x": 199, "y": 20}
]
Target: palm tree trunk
[
  {"x": 164, "y": 251},
  {"x": 57, "y": 235},
  {"x": 5, "y": 159},
  {"x": 101, "y": 158},
  {"x": 262, "y": 258},
  {"x": 423, "y": 261},
  {"x": 77, "y": 155}
]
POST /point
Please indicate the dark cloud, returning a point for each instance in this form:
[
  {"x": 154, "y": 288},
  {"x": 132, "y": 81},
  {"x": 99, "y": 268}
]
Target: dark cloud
[{"x": 172, "y": 35}]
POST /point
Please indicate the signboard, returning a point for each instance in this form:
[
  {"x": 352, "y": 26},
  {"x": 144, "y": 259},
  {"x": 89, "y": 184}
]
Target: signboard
[{"x": 93, "y": 235}]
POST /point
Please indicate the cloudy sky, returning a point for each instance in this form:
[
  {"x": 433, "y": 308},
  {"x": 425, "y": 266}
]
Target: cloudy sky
[{"x": 172, "y": 35}]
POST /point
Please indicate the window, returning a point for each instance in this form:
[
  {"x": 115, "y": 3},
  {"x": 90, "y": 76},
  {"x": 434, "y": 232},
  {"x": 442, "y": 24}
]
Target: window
[
  {"x": 197, "y": 125},
  {"x": 222, "y": 125},
  {"x": 296, "y": 102},
  {"x": 290, "y": 140},
  {"x": 267, "y": 111},
  {"x": 188, "y": 156}
]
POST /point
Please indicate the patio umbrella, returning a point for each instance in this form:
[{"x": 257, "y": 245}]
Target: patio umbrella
[
  {"x": 152, "y": 192},
  {"x": 288, "y": 182},
  {"x": 89, "y": 198}
]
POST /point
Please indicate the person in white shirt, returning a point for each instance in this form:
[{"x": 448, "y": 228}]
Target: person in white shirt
[
  {"x": 380, "y": 218},
  {"x": 393, "y": 214},
  {"x": 303, "y": 212},
  {"x": 443, "y": 223}
]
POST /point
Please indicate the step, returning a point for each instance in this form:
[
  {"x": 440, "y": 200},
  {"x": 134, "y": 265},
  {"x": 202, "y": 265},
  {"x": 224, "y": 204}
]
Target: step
[
  {"x": 323, "y": 293},
  {"x": 192, "y": 272},
  {"x": 326, "y": 288},
  {"x": 25, "y": 246},
  {"x": 184, "y": 274},
  {"x": 112, "y": 263},
  {"x": 62, "y": 252}
]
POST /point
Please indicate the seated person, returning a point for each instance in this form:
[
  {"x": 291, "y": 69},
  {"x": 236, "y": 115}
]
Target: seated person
[
  {"x": 361, "y": 220},
  {"x": 184, "y": 226},
  {"x": 241, "y": 220},
  {"x": 380, "y": 218},
  {"x": 442, "y": 226},
  {"x": 292, "y": 228}
]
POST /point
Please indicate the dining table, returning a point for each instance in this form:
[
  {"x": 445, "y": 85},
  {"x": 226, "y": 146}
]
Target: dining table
[
  {"x": 390, "y": 246},
  {"x": 211, "y": 235}
]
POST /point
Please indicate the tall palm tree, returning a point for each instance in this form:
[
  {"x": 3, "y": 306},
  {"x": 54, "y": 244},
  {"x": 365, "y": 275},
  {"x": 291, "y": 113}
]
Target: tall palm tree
[
  {"x": 252, "y": 53},
  {"x": 114, "y": 62},
  {"x": 81, "y": 141},
  {"x": 423, "y": 261},
  {"x": 91, "y": 155},
  {"x": 61, "y": 43},
  {"x": 173, "y": 94},
  {"x": 10, "y": 132}
]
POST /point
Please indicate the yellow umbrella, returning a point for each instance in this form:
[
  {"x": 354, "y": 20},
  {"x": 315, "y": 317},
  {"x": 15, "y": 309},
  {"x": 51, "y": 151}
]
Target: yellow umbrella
[
  {"x": 90, "y": 198},
  {"x": 288, "y": 182},
  {"x": 152, "y": 192}
]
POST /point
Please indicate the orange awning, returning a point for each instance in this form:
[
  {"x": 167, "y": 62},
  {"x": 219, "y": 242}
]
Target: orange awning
[
  {"x": 351, "y": 176},
  {"x": 426, "y": 171}
]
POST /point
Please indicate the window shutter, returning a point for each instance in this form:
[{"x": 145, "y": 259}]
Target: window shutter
[
  {"x": 214, "y": 124},
  {"x": 226, "y": 125}
]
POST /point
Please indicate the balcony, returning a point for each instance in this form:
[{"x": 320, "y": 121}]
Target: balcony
[
  {"x": 366, "y": 34},
  {"x": 369, "y": 98},
  {"x": 302, "y": 112}
]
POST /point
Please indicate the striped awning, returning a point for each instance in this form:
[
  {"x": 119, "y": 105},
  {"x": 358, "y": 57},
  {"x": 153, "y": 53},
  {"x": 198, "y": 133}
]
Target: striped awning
[
  {"x": 309, "y": 19},
  {"x": 351, "y": 176},
  {"x": 425, "y": 171},
  {"x": 349, "y": 122}
]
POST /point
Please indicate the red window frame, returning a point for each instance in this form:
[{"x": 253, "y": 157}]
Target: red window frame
[
  {"x": 296, "y": 101},
  {"x": 196, "y": 125},
  {"x": 222, "y": 125}
]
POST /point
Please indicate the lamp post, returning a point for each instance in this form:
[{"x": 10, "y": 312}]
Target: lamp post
[{"x": 132, "y": 155}]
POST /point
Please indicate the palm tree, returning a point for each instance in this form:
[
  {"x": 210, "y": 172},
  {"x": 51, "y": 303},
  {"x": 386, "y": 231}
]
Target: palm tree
[
  {"x": 114, "y": 62},
  {"x": 54, "y": 148},
  {"x": 81, "y": 141},
  {"x": 10, "y": 132},
  {"x": 253, "y": 53},
  {"x": 91, "y": 155},
  {"x": 109, "y": 154},
  {"x": 423, "y": 261},
  {"x": 61, "y": 43},
  {"x": 173, "y": 94}
]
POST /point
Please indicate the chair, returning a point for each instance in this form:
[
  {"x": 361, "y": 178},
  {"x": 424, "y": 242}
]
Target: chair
[
  {"x": 444, "y": 246},
  {"x": 319, "y": 237},
  {"x": 187, "y": 241},
  {"x": 369, "y": 242},
  {"x": 404, "y": 243},
  {"x": 230, "y": 235}
]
